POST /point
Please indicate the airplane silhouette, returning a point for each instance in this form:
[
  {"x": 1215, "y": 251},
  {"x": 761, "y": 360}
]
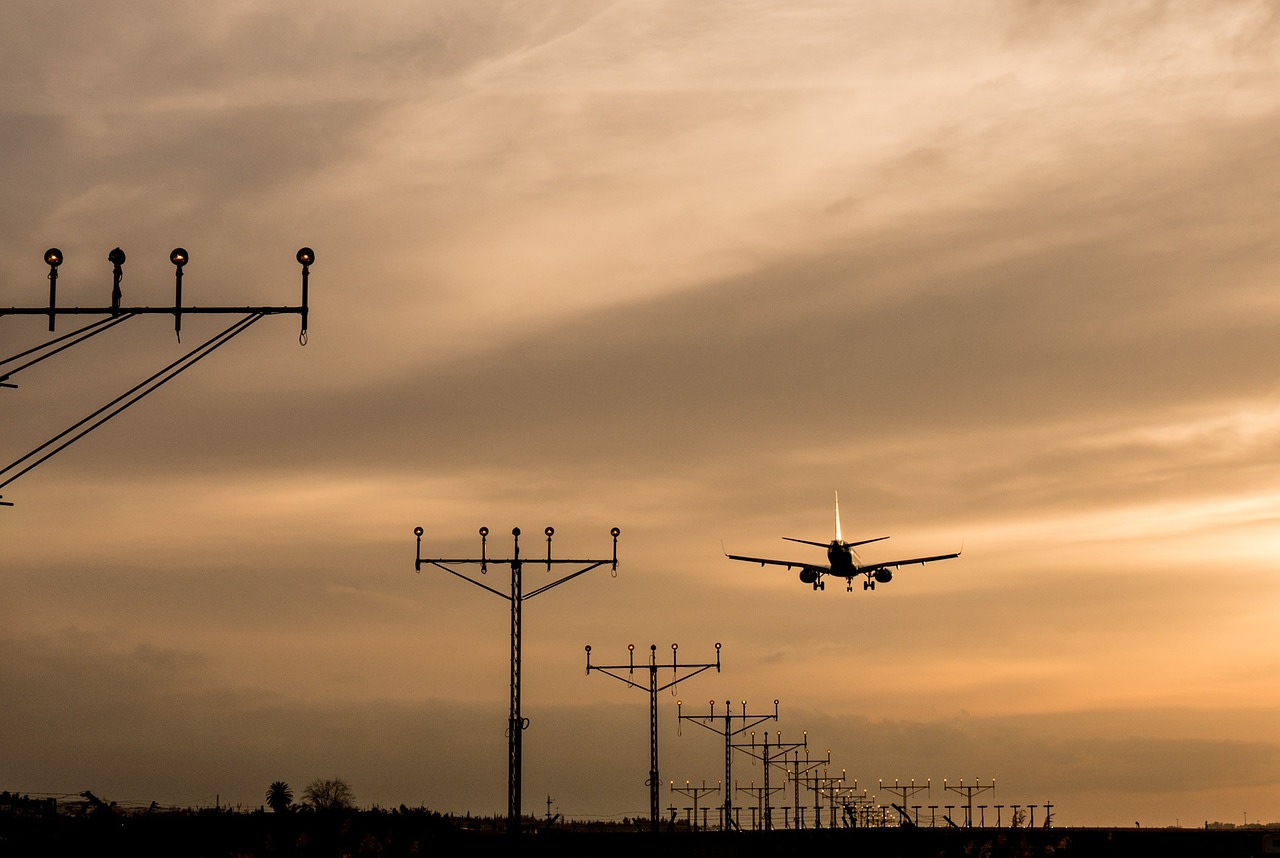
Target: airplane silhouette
[{"x": 843, "y": 561}]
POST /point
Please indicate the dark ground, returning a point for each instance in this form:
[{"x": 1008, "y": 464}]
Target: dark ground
[{"x": 390, "y": 835}]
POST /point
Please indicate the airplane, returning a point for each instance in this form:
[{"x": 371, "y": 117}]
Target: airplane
[{"x": 843, "y": 561}]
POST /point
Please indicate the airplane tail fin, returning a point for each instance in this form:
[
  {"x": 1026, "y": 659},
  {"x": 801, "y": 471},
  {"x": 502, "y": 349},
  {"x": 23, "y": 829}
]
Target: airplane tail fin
[{"x": 838, "y": 539}]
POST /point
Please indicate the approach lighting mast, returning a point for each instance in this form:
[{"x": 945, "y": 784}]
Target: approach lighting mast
[
  {"x": 769, "y": 755},
  {"x": 830, "y": 785},
  {"x": 728, "y": 725},
  {"x": 695, "y": 793},
  {"x": 760, "y": 810},
  {"x": 797, "y": 772},
  {"x": 969, "y": 791},
  {"x": 833, "y": 788},
  {"x": 655, "y": 782},
  {"x": 117, "y": 313},
  {"x": 906, "y": 792},
  {"x": 516, "y": 722}
]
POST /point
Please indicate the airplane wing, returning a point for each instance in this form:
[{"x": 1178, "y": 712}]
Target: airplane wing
[
  {"x": 790, "y": 564},
  {"x": 872, "y": 568}
]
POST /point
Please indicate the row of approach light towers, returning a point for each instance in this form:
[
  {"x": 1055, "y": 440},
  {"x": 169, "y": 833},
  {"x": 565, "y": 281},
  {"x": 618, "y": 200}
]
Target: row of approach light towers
[
  {"x": 814, "y": 774},
  {"x": 115, "y": 313},
  {"x": 731, "y": 725},
  {"x": 849, "y": 807}
]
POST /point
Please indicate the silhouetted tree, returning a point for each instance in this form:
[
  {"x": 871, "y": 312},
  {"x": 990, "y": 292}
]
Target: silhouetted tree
[
  {"x": 279, "y": 797},
  {"x": 329, "y": 794}
]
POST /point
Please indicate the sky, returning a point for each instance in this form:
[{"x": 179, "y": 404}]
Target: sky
[{"x": 1002, "y": 274}]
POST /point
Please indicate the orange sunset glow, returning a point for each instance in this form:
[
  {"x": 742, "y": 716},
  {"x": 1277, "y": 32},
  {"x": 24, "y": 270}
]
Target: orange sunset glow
[{"x": 1005, "y": 275}]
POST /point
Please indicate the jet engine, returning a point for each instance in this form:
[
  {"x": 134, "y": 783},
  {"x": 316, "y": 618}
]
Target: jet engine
[
  {"x": 884, "y": 576},
  {"x": 808, "y": 576}
]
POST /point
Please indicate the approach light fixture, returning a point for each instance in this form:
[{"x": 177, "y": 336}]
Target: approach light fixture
[
  {"x": 305, "y": 257},
  {"x": 179, "y": 257},
  {"x": 116, "y": 258},
  {"x": 52, "y": 258}
]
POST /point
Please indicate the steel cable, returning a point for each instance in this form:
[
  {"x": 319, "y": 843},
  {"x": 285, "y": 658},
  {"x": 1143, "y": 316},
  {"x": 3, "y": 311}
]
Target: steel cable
[
  {"x": 90, "y": 330},
  {"x": 146, "y": 387}
]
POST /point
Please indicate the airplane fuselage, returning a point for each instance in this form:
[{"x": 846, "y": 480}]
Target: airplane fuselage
[{"x": 843, "y": 559}]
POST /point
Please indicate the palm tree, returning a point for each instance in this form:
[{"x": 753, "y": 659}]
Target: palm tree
[{"x": 279, "y": 797}]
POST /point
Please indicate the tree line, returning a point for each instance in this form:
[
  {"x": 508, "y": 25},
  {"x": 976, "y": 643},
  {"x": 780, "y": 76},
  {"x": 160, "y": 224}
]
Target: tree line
[{"x": 322, "y": 794}]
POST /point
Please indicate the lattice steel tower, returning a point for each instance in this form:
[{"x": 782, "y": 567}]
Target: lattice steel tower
[
  {"x": 516, "y": 722},
  {"x": 655, "y": 782}
]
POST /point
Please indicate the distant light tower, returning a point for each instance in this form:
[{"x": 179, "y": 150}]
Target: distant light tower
[
  {"x": 798, "y": 772},
  {"x": 969, "y": 791},
  {"x": 695, "y": 792},
  {"x": 655, "y": 782},
  {"x": 760, "y": 812},
  {"x": 728, "y": 731},
  {"x": 769, "y": 756},
  {"x": 906, "y": 792},
  {"x": 516, "y": 723},
  {"x": 832, "y": 786}
]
